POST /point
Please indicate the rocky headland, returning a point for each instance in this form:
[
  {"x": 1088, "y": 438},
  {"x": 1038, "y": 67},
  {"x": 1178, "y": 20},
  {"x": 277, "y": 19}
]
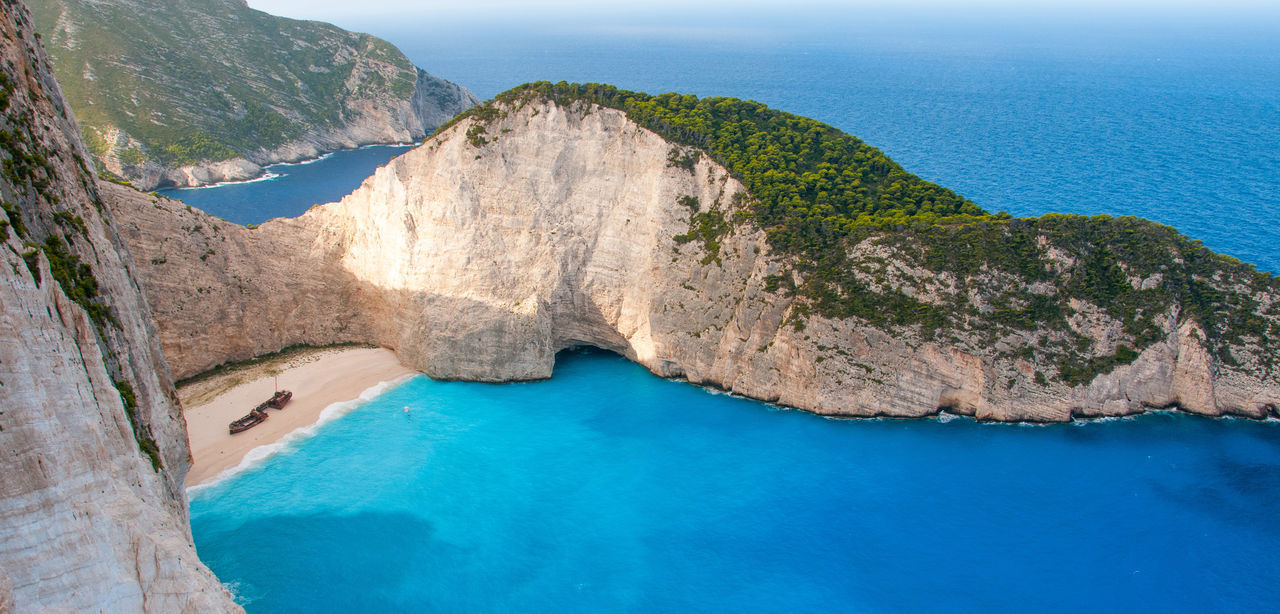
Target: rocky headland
[
  {"x": 184, "y": 93},
  {"x": 552, "y": 218}
]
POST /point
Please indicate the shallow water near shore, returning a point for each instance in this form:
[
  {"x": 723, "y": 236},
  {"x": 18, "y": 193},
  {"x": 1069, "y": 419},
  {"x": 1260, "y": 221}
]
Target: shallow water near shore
[{"x": 606, "y": 488}]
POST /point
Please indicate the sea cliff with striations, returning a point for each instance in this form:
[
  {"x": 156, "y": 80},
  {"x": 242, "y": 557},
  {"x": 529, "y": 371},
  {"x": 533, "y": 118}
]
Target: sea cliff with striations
[{"x": 93, "y": 515}]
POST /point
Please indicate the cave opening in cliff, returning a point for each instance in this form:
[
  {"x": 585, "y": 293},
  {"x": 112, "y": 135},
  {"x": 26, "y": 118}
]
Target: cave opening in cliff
[
  {"x": 575, "y": 350},
  {"x": 585, "y": 350}
]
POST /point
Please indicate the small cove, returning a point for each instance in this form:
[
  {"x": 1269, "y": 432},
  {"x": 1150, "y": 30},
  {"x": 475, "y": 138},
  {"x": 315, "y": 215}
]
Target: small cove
[{"x": 606, "y": 488}]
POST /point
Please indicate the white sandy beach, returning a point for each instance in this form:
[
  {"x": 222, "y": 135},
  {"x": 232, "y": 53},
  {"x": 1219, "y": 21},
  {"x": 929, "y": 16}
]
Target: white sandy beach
[{"x": 318, "y": 379}]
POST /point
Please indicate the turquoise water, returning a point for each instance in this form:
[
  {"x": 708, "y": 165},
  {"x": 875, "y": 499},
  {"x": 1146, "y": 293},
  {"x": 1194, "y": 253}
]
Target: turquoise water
[{"x": 609, "y": 489}]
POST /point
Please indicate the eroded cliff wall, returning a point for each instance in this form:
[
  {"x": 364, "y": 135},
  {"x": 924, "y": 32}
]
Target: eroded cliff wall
[
  {"x": 228, "y": 292},
  {"x": 482, "y": 253},
  {"x": 93, "y": 515}
]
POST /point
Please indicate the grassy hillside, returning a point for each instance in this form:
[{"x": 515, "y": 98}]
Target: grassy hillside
[
  {"x": 866, "y": 239},
  {"x": 207, "y": 80}
]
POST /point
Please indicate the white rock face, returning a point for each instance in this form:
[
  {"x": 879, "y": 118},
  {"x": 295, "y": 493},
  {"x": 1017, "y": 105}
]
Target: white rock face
[
  {"x": 481, "y": 261},
  {"x": 86, "y": 522},
  {"x": 496, "y": 258}
]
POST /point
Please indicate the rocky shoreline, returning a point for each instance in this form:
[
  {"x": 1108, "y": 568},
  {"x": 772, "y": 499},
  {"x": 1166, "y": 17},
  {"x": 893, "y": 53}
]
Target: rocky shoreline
[
  {"x": 207, "y": 176},
  {"x": 152, "y": 176}
]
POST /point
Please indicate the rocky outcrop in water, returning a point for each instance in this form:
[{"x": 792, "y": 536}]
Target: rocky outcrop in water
[
  {"x": 184, "y": 93},
  {"x": 479, "y": 257},
  {"x": 93, "y": 515}
]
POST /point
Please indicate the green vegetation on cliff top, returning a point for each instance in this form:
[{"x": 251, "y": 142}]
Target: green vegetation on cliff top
[
  {"x": 819, "y": 194},
  {"x": 208, "y": 80}
]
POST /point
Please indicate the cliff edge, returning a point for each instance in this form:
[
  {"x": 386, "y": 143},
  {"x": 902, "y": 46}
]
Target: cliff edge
[
  {"x": 93, "y": 514},
  {"x": 552, "y": 218}
]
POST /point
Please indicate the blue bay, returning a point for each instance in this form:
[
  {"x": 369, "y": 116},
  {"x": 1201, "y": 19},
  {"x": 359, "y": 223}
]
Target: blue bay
[
  {"x": 288, "y": 190},
  {"x": 608, "y": 489}
]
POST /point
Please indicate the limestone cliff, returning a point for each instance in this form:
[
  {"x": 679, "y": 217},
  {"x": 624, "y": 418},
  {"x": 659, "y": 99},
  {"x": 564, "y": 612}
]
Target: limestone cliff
[
  {"x": 545, "y": 225},
  {"x": 185, "y": 93},
  {"x": 93, "y": 515},
  {"x": 228, "y": 292}
]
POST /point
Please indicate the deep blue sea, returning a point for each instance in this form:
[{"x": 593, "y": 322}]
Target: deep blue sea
[
  {"x": 288, "y": 190},
  {"x": 608, "y": 489}
]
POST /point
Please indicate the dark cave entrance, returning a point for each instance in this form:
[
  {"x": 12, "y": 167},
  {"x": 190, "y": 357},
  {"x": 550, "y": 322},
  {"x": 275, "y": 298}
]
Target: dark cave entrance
[{"x": 581, "y": 351}]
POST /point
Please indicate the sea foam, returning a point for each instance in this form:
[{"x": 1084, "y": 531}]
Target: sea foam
[
  {"x": 332, "y": 412},
  {"x": 325, "y": 156},
  {"x": 267, "y": 176}
]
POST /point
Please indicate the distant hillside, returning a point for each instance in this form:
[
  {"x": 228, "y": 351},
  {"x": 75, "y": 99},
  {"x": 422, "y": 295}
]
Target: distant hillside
[{"x": 188, "y": 92}]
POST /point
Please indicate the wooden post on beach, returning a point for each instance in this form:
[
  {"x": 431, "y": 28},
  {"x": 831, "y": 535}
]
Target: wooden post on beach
[{"x": 274, "y": 372}]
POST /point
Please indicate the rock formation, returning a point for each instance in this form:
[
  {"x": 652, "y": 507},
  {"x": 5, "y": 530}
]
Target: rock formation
[
  {"x": 93, "y": 515},
  {"x": 480, "y": 257},
  {"x": 184, "y": 93}
]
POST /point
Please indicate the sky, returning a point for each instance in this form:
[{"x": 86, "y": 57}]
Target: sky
[
  {"x": 497, "y": 9},
  {"x": 731, "y": 20}
]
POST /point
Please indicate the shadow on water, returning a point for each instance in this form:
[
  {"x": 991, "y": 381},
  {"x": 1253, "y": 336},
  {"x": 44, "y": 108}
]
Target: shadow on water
[
  {"x": 1232, "y": 491},
  {"x": 368, "y": 578}
]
